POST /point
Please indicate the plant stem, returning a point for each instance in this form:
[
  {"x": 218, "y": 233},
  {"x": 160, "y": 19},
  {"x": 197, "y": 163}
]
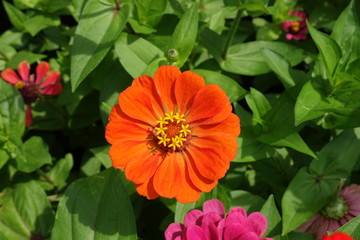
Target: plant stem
[{"x": 232, "y": 32}]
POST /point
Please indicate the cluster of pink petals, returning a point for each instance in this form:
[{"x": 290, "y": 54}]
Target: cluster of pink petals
[
  {"x": 321, "y": 224},
  {"x": 213, "y": 224},
  {"x": 296, "y": 29},
  {"x": 32, "y": 87}
]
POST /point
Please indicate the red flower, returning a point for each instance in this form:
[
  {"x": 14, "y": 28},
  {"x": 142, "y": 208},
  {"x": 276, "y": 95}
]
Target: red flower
[
  {"x": 32, "y": 87},
  {"x": 173, "y": 135},
  {"x": 296, "y": 29},
  {"x": 337, "y": 236}
]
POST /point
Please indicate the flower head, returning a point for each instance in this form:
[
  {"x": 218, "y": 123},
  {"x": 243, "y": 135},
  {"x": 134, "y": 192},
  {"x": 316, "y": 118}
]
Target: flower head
[
  {"x": 338, "y": 212},
  {"x": 213, "y": 224},
  {"x": 32, "y": 87},
  {"x": 296, "y": 29},
  {"x": 337, "y": 236},
  {"x": 173, "y": 135}
]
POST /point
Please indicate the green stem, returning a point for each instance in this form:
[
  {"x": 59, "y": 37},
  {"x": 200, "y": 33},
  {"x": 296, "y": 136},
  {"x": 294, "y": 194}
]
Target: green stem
[{"x": 232, "y": 32}]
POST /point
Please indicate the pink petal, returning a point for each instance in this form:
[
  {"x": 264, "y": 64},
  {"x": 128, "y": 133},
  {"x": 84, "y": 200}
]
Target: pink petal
[
  {"x": 289, "y": 36},
  {"x": 28, "y": 116},
  {"x": 220, "y": 228},
  {"x": 208, "y": 225},
  {"x": 174, "y": 231},
  {"x": 10, "y": 76},
  {"x": 234, "y": 231},
  {"x": 248, "y": 236},
  {"x": 24, "y": 70},
  {"x": 41, "y": 70},
  {"x": 238, "y": 210},
  {"x": 257, "y": 223},
  {"x": 195, "y": 233},
  {"x": 193, "y": 218},
  {"x": 215, "y": 206},
  {"x": 51, "y": 85}
]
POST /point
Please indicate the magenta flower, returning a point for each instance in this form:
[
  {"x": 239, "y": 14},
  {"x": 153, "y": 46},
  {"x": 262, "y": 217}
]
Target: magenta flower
[
  {"x": 296, "y": 29},
  {"x": 32, "y": 87},
  {"x": 213, "y": 224},
  {"x": 338, "y": 212}
]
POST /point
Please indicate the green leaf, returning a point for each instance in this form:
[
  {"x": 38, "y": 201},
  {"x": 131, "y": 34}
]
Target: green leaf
[
  {"x": 328, "y": 48},
  {"x": 269, "y": 210},
  {"x": 184, "y": 36},
  {"x": 258, "y": 104},
  {"x": 150, "y": 12},
  {"x": 98, "y": 28},
  {"x": 135, "y": 53},
  {"x": 35, "y": 154},
  {"x": 39, "y": 22},
  {"x": 96, "y": 207},
  {"x": 181, "y": 210},
  {"x": 251, "y": 150},
  {"x": 346, "y": 32},
  {"x": 24, "y": 56},
  {"x": 352, "y": 227},
  {"x": 16, "y": 16},
  {"x": 25, "y": 212},
  {"x": 280, "y": 66},
  {"x": 232, "y": 89},
  {"x": 12, "y": 117},
  {"x": 304, "y": 197},
  {"x": 102, "y": 154},
  {"x": 246, "y": 58},
  {"x": 250, "y": 202},
  {"x": 138, "y": 28}
]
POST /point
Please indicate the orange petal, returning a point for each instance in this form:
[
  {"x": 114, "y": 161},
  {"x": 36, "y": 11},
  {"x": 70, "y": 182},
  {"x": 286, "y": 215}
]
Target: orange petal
[
  {"x": 147, "y": 189},
  {"x": 117, "y": 113},
  {"x": 196, "y": 178},
  {"x": 41, "y": 70},
  {"x": 187, "y": 191},
  {"x": 229, "y": 126},
  {"x": 210, "y": 102},
  {"x": 167, "y": 178},
  {"x": 136, "y": 103},
  {"x": 123, "y": 151},
  {"x": 24, "y": 70},
  {"x": 224, "y": 144},
  {"x": 141, "y": 168},
  {"x": 147, "y": 84},
  {"x": 186, "y": 87},
  {"x": 209, "y": 162},
  {"x": 120, "y": 129},
  {"x": 164, "y": 79},
  {"x": 10, "y": 76}
]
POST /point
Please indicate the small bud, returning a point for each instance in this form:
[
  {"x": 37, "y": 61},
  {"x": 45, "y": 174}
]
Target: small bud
[{"x": 172, "y": 55}]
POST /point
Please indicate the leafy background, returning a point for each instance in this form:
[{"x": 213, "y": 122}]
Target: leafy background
[{"x": 298, "y": 102}]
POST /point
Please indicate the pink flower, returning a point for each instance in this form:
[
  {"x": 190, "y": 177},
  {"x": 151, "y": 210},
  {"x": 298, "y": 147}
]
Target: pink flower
[
  {"x": 213, "y": 224},
  {"x": 338, "y": 212},
  {"x": 32, "y": 87},
  {"x": 337, "y": 236},
  {"x": 296, "y": 29}
]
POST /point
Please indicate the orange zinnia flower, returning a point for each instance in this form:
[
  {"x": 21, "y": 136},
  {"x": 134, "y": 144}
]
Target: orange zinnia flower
[{"x": 173, "y": 135}]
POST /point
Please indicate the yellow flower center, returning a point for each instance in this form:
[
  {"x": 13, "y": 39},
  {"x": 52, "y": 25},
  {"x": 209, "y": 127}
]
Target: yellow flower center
[
  {"x": 295, "y": 26},
  {"x": 19, "y": 85},
  {"x": 172, "y": 131}
]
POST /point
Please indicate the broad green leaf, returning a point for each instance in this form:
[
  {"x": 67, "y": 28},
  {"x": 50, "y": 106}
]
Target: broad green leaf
[
  {"x": 232, "y": 89},
  {"x": 138, "y": 28},
  {"x": 16, "y": 17},
  {"x": 98, "y": 28},
  {"x": 346, "y": 32},
  {"x": 310, "y": 104},
  {"x": 246, "y": 58},
  {"x": 184, "y": 37},
  {"x": 181, "y": 210},
  {"x": 304, "y": 197},
  {"x": 25, "y": 212},
  {"x": 328, "y": 48},
  {"x": 35, "y": 155},
  {"x": 354, "y": 69},
  {"x": 96, "y": 207},
  {"x": 7, "y": 52},
  {"x": 250, "y": 149},
  {"x": 102, "y": 154},
  {"x": 269, "y": 210},
  {"x": 4, "y": 157},
  {"x": 38, "y": 22},
  {"x": 258, "y": 104},
  {"x": 352, "y": 227},
  {"x": 280, "y": 66},
  {"x": 135, "y": 53},
  {"x": 338, "y": 164},
  {"x": 150, "y": 12},
  {"x": 12, "y": 117},
  {"x": 48, "y": 116}
]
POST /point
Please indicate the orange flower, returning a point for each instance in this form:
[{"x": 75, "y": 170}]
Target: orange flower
[{"x": 173, "y": 135}]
